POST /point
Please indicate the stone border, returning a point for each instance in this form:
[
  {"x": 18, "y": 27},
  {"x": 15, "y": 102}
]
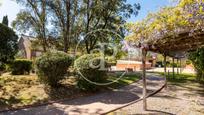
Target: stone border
[{"x": 133, "y": 102}]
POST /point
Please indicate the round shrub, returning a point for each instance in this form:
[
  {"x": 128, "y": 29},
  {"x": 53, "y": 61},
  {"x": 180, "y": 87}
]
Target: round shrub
[
  {"x": 20, "y": 67},
  {"x": 2, "y": 67},
  {"x": 52, "y": 67},
  {"x": 85, "y": 71}
]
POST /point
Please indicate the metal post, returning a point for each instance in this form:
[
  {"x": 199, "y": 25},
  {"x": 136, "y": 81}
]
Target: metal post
[
  {"x": 165, "y": 76},
  {"x": 144, "y": 53}
]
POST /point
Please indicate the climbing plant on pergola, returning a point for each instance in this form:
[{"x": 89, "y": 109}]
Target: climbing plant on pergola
[{"x": 170, "y": 31}]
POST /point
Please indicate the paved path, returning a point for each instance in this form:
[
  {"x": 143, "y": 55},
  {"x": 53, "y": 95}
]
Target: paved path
[
  {"x": 96, "y": 104},
  {"x": 179, "y": 99}
]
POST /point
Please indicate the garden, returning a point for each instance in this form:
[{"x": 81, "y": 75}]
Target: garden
[
  {"x": 71, "y": 49},
  {"x": 58, "y": 72},
  {"x": 54, "y": 80}
]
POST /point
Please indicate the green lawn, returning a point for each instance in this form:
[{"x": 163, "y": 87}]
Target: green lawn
[
  {"x": 124, "y": 80},
  {"x": 23, "y": 90},
  {"x": 182, "y": 78}
]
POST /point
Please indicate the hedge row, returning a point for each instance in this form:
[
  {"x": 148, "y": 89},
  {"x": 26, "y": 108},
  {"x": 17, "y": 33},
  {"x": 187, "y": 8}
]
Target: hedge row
[
  {"x": 52, "y": 67},
  {"x": 20, "y": 67}
]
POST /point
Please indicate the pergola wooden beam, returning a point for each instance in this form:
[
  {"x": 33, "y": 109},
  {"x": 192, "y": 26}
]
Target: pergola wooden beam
[
  {"x": 168, "y": 45},
  {"x": 173, "y": 67},
  {"x": 177, "y": 66},
  {"x": 165, "y": 74},
  {"x": 144, "y": 54}
]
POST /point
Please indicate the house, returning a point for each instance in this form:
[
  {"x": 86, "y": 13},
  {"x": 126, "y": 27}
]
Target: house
[
  {"x": 131, "y": 65},
  {"x": 28, "y": 47}
]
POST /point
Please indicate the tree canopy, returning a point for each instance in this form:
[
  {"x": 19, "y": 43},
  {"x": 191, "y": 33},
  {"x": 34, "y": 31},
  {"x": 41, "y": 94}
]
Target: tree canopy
[
  {"x": 70, "y": 20},
  {"x": 33, "y": 20},
  {"x": 171, "y": 25},
  {"x": 5, "y": 20},
  {"x": 8, "y": 46}
]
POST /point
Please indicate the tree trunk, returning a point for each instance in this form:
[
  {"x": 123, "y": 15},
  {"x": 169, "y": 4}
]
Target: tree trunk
[
  {"x": 67, "y": 32},
  {"x": 43, "y": 21},
  {"x": 44, "y": 45}
]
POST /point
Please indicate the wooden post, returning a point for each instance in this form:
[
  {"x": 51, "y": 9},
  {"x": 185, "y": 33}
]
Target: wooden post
[
  {"x": 173, "y": 69},
  {"x": 144, "y": 54},
  {"x": 168, "y": 74},
  {"x": 180, "y": 66},
  {"x": 165, "y": 76},
  {"x": 177, "y": 66}
]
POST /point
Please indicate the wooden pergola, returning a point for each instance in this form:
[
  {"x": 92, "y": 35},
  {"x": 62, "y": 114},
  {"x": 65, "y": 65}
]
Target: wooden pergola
[{"x": 174, "y": 46}]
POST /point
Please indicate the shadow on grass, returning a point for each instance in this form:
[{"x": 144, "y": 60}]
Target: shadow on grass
[
  {"x": 123, "y": 81},
  {"x": 8, "y": 102}
]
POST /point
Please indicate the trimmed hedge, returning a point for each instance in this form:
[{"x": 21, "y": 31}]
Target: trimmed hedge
[
  {"x": 20, "y": 67},
  {"x": 82, "y": 65},
  {"x": 52, "y": 67}
]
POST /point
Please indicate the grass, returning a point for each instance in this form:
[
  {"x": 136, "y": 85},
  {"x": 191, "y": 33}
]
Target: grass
[
  {"x": 21, "y": 90},
  {"x": 182, "y": 78},
  {"x": 123, "y": 81}
]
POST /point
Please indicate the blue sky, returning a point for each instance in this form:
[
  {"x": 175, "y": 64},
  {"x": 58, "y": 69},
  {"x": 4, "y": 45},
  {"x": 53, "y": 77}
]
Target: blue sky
[
  {"x": 10, "y": 8},
  {"x": 148, "y": 6}
]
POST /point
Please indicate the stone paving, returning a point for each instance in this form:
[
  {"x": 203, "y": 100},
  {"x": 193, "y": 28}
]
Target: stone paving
[{"x": 178, "y": 99}]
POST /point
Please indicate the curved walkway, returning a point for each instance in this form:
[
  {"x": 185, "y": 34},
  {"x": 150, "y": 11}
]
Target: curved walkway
[
  {"x": 179, "y": 99},
  {"x": 96, "y": 104}
]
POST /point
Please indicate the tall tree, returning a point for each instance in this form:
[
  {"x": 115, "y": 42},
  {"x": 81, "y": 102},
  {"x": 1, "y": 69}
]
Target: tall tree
[
  {"x": 8, "y": 46},
  {"x": 61, "y": 9},
  {"x": 33, "y": 19},
  {"x": 85, "y": 16},
  {"x": 72, "y": 20},
  {"x": 5, "y": 20},
  {"x": 65, "y": 16},
  {"x": 109, "y": 14}
]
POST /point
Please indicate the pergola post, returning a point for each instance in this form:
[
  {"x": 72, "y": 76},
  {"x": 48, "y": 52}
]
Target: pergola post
[
  {"x": 177, "y": 65},
  {"x": 165, "y": 75},
  {"x": 180, "y": 66},
  {"x": 144, "y": 54},
  {"x": 173, "y": 68}
]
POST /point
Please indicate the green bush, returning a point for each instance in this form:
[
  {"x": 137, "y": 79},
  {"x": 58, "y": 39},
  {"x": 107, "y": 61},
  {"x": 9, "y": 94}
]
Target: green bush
[
  {"x": 159, "y": 64},
  {"x": 52, "y": 67},
  {"x": 8, "y": 44},
  {"x": 20, "y": 67},
  {"x": 188, "y": 62},
  {"x": 2, "y": 67},
  {"x": 197, "y": 59},
  {"x": 84, "y": 70}
]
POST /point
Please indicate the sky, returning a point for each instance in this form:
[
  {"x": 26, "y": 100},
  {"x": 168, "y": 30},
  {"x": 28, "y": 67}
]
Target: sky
[{"x": 11, "y": 8}]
